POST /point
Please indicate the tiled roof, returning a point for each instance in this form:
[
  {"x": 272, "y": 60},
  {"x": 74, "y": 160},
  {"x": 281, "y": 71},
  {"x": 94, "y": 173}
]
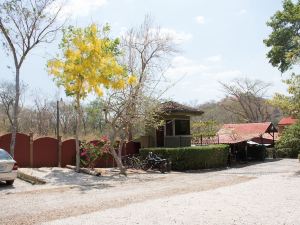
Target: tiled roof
[
  {"x": 287, "y": 121},
  {"x": 175, "y": 107},
  {"x": 235, "y": 133}
]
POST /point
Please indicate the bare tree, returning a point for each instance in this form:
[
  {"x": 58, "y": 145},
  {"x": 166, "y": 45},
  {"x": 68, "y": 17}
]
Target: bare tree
[
  {"x": 148, "y": 51},
  {"x": 24, "y": 25},
  {"x": 7, "y": 98},
  {"x": 246, "y": 99},
  {"x": 44, "y": 115}
]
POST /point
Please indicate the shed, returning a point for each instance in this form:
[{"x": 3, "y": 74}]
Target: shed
[
  {"x": 176, "y": 128},
  {"x": 237, "y": 135}
]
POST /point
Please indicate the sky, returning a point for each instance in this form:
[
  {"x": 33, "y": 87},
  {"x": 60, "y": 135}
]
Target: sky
[{"x": 218, "y": 40}]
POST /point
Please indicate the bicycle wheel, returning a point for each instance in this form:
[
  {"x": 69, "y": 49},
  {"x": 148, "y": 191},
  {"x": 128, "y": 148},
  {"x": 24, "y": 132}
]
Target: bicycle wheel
[{"x": 136, "y": 163}]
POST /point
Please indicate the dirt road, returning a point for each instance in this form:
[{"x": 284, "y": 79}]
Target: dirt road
[{"x": 254, "y": 193}]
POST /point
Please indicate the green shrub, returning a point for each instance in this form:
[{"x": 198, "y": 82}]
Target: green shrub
[
  {"x": 192, "y": 158},
  {"x": 287, "y": 153},
  {"x": 299, "y": 157},
  {"x": 289, "y": 143}
]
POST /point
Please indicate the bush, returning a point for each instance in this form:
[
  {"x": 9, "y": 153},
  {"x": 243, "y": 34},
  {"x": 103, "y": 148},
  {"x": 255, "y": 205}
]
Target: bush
[
  {"x": 91, "y": 151},
  {"x": 289, "y": 143},
  {"x": 192, "y": 158},
  {"x": 299, "y": 157},
  {"x": 287, "y": 153}
]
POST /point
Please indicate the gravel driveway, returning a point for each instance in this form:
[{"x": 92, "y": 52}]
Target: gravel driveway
[{"x": 265, "y": 193}]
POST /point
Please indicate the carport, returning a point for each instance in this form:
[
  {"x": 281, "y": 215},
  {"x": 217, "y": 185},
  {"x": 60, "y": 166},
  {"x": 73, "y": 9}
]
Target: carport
[{"x": 237, "y": 136}]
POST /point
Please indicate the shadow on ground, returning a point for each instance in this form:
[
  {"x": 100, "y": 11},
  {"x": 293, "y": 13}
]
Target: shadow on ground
[{"x": 5, "y": 187}]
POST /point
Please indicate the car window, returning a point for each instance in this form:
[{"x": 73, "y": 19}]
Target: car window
[{"x": 4, "y": 155}]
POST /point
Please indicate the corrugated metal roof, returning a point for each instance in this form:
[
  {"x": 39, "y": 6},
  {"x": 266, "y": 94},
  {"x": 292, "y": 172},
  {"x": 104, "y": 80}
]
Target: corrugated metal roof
[
  {"x": 235, "y": 133},
  {"x": 287, "y": 121}
]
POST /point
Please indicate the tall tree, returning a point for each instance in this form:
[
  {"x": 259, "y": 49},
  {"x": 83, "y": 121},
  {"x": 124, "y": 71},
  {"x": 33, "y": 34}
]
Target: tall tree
[
  {"x": 24, "y": 25},
  {"x": 247, "y": 99},
  {"x": 87, "y": 64},
  {"x": 147, "y": 53},
  {"x": 284, "y": 40},
  {"x": 284, "y": 53}
]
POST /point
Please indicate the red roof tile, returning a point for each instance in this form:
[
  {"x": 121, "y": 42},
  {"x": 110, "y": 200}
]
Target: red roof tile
[
  {"x": 234, "y": 133},
  {"x": 287, "y": 121}
]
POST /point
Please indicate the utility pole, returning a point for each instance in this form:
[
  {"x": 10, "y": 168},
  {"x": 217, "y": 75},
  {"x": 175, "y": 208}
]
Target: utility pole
[{"x": 57, "y": 132}]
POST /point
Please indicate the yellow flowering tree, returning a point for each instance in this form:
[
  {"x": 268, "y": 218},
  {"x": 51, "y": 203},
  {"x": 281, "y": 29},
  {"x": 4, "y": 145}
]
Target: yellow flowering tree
[{"x": 88, "y": 64}]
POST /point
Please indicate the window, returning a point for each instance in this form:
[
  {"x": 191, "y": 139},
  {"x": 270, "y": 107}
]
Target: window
[
  {"x": 182, "y": 127},
  {"x": 4, "y": 155},
  {"x": 169, "y": 128}
]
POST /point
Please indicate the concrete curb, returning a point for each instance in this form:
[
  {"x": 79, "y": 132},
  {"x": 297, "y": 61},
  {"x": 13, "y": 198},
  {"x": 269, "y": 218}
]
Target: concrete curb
[{"x": 31, "y": 179}]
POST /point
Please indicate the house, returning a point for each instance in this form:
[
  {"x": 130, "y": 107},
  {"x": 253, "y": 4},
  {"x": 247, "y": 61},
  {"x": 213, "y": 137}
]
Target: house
[
  {"x": 176, "y": 128},
  {"x": 284, "y": 122}
]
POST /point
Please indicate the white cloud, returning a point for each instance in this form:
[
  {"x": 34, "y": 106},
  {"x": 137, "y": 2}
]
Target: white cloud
[
  {"x": 197, "y": 80},
  {"x": 79, "y": 8},
  {"x": 178, "y": 36},
  {"x": 182, "y": 66},
  {"x": 242, "y": 12},
  {"x": 226, "y": 75},
  {"x": 214, "y": 58},
  {"x": 200, "y": 19}
]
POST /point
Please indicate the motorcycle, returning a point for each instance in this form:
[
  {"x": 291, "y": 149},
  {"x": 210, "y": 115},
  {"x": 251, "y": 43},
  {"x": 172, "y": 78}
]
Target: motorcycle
[{"x": 153, "y": 161}]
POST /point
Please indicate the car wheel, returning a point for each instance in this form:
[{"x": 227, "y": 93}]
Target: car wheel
[{"x": 10, "y": 182}]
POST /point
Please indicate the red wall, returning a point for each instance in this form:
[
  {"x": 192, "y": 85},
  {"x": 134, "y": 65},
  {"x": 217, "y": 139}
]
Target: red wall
[
  {"x": 45, "y": 152},
  {"x": 68, "y": 152},
  {"x": 22, "y": 148}
]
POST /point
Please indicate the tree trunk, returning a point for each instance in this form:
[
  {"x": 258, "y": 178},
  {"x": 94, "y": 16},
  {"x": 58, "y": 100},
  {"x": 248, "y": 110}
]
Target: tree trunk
[
  {"x": 15, "y": 114},
  {"x": 78, "y": 119},
  {"x": 114, "y": 154},
  {"x": 130, "y": 136},
  {"x": 118, "y": 160}
]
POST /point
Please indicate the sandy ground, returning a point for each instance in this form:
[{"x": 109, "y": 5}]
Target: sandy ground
[{"x": 266, "y": 193}]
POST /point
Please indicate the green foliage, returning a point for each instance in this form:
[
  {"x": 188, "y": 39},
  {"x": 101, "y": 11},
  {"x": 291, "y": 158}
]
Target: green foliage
[
  {"x": 92, "y": 151},
  {"x": 284, "y": 40},
  {"x": 289, "y": 104},
  {"x": 192, "y": 158},
  {"x": 289, "y": 143},
  {"x": 93, "y": 112},
  {"x": 204, "y": 128}
]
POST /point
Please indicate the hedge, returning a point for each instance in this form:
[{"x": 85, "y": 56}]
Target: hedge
[
  {"x": 192, "y": 158},
  {"x": 287, "y": 153}
]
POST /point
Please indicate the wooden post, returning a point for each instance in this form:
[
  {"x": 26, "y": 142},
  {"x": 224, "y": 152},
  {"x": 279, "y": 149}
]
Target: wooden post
[
  {"x": 201, "y": 139},
  {"x": 59, "y": 151},
  {"x": 246, "y": 152},
  {"x": 31, "y": 149}
]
